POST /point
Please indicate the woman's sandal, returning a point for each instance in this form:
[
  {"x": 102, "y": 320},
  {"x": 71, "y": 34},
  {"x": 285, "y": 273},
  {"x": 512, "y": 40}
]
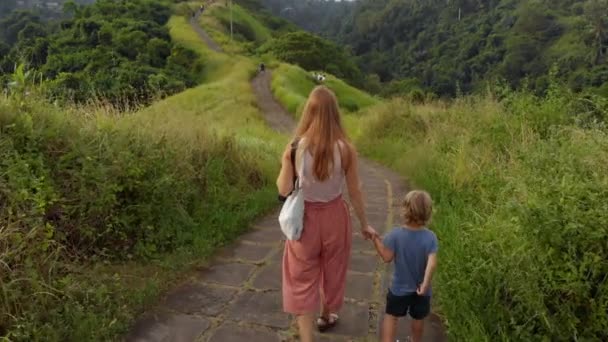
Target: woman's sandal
[{"x": 324, "y": 324}]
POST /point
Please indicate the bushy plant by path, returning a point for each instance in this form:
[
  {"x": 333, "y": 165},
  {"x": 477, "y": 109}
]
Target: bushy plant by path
[
  {"x": 521, "y": 188},
  {"x": 313, "y": 53},
  {"x": 77, "y": 190},
  {"x": 100, "y": 210},
  {"x": 291, "y": 85}
]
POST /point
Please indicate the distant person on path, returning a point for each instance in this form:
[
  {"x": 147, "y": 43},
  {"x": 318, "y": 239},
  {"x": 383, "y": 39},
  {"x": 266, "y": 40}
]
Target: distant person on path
[
  {"x": 413, "y": 248},
  {"x": 315, "y": 266},
  {"x": 262, "y": 67}
]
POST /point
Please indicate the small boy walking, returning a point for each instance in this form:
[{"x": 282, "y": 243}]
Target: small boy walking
[{"x": 413, "y": 248}]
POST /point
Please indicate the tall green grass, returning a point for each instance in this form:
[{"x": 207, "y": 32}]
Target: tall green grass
[
  {"x": 100, "y": 211},
  {"x": 245, "y": 24},
  {"x": 291, "y": 85},
  {"x": 521, "y": 192},
  {"x": 248, "y": 30}
]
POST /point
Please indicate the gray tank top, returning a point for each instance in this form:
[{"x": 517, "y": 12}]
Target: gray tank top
[{"x": 322, "y": 191}]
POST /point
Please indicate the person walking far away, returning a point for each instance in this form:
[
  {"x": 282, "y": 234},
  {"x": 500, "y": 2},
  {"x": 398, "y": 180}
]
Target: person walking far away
[
  {"x": 315, "y": 266},
  {"x": 262, "y": 67},
  {"x": 413, "y": 248}
]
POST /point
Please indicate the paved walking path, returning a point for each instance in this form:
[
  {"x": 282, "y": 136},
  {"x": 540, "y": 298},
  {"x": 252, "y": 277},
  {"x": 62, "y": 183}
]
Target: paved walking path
[
  {"x": 238, "y": 298},
  {"x": 203, "y": 34}
]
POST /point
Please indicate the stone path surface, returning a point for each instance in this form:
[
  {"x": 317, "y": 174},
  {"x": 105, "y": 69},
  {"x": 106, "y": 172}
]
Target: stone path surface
[{"x": 237, "y": 297}]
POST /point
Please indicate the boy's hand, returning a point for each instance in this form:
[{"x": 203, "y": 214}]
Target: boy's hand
[{"x": 422, "y": 289}]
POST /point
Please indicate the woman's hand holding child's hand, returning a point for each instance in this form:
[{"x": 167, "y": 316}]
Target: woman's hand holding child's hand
[{"x": 368, "y": 233}]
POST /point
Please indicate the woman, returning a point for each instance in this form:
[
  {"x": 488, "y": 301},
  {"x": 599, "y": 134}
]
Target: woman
[{"x": 315, "y": 266}]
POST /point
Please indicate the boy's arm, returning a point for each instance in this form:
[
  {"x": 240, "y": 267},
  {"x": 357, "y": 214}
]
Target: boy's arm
[
  {"x": 386, "y": 254},
  {"x": 431, "y": 265}
]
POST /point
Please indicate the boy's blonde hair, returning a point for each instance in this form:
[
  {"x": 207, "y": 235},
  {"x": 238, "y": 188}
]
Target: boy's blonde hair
[{"x": 417, "y": 207}]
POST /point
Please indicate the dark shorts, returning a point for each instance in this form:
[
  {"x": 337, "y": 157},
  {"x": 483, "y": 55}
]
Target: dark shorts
[{"x": 399, "y": 306}]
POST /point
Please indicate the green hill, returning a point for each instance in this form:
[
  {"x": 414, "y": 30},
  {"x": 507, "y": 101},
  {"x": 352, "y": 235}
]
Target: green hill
[
  {"x": 451, "y": 46},
  {"x": 103, "y": 209},
  {"x": 106, "y": 209}
]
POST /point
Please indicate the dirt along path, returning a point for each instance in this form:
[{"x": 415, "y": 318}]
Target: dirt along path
[
  {"x": 238, "y": 296},
  {"x": 273, "y": 111},
  {"x": 194, "y": 22}
]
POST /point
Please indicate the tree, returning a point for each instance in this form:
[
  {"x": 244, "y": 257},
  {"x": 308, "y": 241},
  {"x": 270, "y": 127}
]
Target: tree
[
  {"x": 7, "y": 6},
  {"x": 314, "y": 53},
  {"x": 71, "y": 8},
  {"x": 13, "y": 24},
  {"x": 596, "y": 12},
  {"x": 109, "y": 49}
]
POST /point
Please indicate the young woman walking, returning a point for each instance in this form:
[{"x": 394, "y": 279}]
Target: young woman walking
[{"x": 315, "y": 266}]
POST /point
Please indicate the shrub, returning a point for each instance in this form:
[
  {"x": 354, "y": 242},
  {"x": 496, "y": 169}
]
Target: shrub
[
  {"x": 77, "y": 189},
  {"x": 520, "y": 188},
  {"x": 313, "y": 53}
]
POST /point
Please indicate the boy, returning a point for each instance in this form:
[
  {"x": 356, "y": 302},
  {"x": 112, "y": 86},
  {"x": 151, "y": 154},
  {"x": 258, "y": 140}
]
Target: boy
[{"x": 414, "y": 249}]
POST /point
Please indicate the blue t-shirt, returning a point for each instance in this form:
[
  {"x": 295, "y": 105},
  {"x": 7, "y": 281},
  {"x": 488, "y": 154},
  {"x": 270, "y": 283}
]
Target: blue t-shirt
[{"x": 412, "y": 248}]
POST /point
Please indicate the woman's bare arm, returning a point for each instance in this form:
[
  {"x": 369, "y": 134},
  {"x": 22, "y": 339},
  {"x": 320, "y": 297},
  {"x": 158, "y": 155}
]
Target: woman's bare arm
[
  {"x": 353, "y": 183},
  {"x": 285, "y": 179}
]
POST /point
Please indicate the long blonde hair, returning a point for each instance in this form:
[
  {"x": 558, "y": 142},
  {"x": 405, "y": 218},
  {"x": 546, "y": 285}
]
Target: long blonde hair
[{"x": 321, "y": 126}]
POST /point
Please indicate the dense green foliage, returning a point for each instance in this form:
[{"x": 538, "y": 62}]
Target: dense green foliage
[
  {"x": 521, "y": 192},
  {"x": 319, "y": 16},
  {"x": 76, "y": 190},
  {"x": 113, "y": 51},
  {"x": 101, "y": 210},
  {"x": 460, "y": 45},
  {"x": 313, "y": 53},
  {"x": 274, "y": 24},
  {"x": 291, "y": 85},
  {"x": 256, "y": 32},
  {"x": 520, "y": 181},
  {"x": 7, "y": 6},
  {"x": 48, "y": 9}
]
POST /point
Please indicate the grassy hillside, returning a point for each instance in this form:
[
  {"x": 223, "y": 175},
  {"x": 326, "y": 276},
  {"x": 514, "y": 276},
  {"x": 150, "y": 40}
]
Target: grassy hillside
[
  {"x": 520, "y": 188},
  {"x": 292, "y": 84},
  {"x": 251, "y": 28},
  {"x": 117, "y": 52},
  {"x": 448, "y": 47},
  {"x": 104, "y": 210}
]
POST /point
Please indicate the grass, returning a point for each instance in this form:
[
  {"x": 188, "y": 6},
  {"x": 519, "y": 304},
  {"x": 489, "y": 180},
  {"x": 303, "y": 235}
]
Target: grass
[
  {"x": 520, "y": 192},
  {"x": 569, "y": 45},
  {"x": 291, "y": 85},
  {"x": 215, "y": 63},
  {"x": 138, "y": 199},
  {"x": 103, "y": 211},
  {"x": 248, "y": 27},
  {"x": 249, "y": 32}
]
